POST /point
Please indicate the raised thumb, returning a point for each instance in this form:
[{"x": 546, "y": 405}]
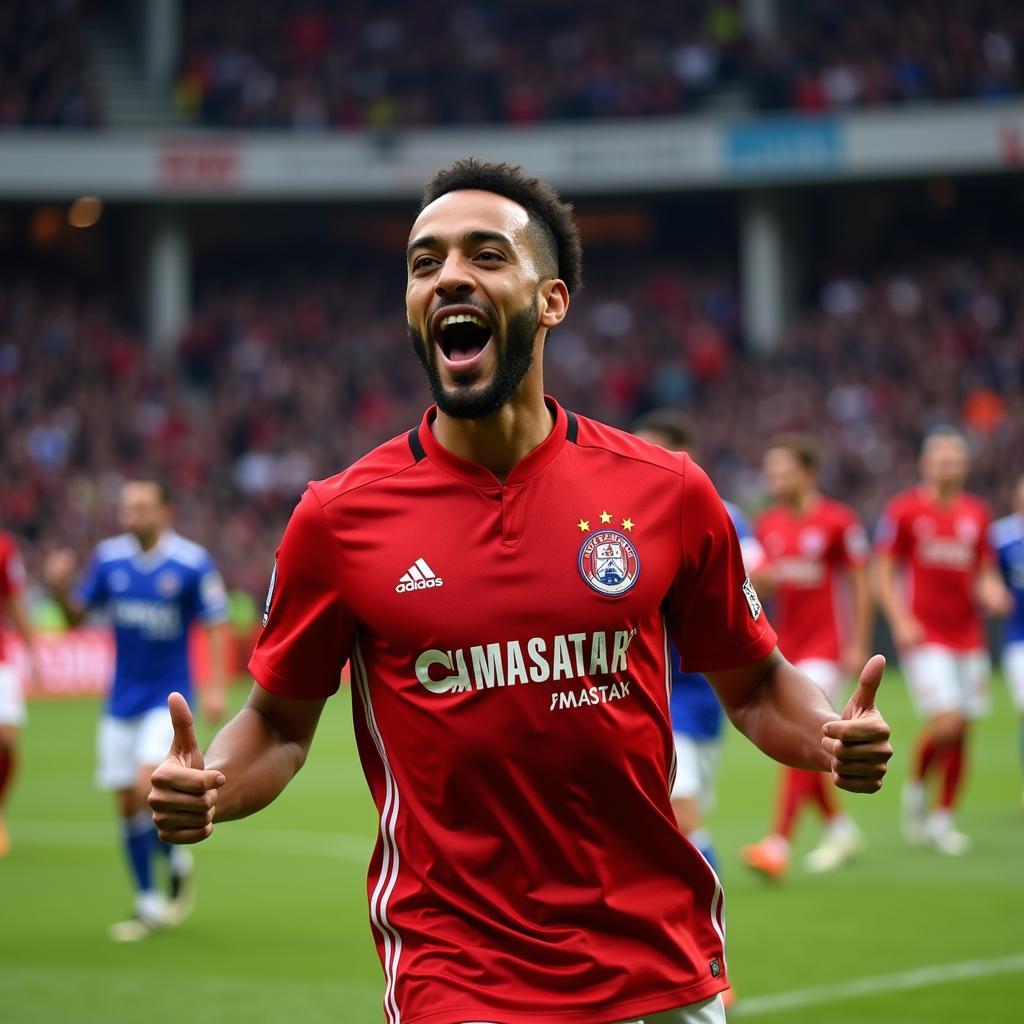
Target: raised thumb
[
  {"x": 185, "y": 743},
  {"x": 870, "y": 679}
]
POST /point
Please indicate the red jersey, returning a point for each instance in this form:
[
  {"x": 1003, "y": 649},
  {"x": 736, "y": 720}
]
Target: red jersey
[
  {"x": 12, "y": 579},
  {"x": 510, "y": 663},
  {"x": 809, "y": 554},
  {"x": 942, "y": 547}
]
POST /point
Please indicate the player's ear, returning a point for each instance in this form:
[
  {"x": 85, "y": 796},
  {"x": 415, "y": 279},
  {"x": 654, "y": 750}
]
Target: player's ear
[{"x": 554, "y": 302}]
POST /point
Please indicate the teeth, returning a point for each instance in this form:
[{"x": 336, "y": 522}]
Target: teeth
[{"x": 463, "y": 318}]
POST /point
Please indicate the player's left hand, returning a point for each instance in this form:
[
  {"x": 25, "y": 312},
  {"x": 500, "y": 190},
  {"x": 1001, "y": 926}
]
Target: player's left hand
[{"x": 858, "y": 742}]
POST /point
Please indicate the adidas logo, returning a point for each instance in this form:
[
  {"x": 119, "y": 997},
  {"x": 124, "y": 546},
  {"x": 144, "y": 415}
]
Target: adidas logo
[{"x": 419, "y": 577}]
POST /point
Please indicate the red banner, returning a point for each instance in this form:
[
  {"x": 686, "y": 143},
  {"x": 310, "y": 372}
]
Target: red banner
[{"x": 80, "y": 662}]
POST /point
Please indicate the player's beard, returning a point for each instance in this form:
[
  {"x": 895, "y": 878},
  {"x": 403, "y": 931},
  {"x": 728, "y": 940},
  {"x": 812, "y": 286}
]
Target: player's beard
[{"x": 512, "y": 362}]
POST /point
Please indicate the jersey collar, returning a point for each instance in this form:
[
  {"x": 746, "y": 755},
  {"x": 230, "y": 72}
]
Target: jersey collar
[{"x": 531, "y": 463}]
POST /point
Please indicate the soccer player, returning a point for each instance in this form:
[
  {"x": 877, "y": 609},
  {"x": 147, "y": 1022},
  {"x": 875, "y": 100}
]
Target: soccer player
[
  {"x": 505, "y": 580},
  {"x": 936, "y": 536},
  {"x": 12, "y": 700},
  {"x": 697, "y": 716},
  {"x": 1008, "y": 542},
  {"x": 154, "y": 584},
  {"x": 816, "y": 555}
]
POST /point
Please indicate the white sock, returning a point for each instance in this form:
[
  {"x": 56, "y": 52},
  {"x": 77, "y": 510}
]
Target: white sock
[{"x": 150, "y": 905}]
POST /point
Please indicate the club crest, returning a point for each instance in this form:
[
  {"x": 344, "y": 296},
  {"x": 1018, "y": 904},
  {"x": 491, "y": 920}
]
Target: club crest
[{"x": 609, "y": 563}]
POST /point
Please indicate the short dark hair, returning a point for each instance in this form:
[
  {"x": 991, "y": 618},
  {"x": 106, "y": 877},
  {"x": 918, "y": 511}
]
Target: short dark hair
[
  {"x": 944, "y": 431},
  {"x": 163, "y": 487},
  {"x": 802, "y": 447},
  {"x": 550, "y": 217},
  {"x": 675, "y": 425}
]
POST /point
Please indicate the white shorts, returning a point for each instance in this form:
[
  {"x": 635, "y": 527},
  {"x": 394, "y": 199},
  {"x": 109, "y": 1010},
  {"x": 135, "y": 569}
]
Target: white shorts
[
  {"x": 826, "y": 675},
  {"x": 125, "y": 745},
  {"x": 710, "y": 1011},
  {"x": 696, "y": 768},
  {"x": 942, "y": 679},
  {"x": 12, "y": 700},
  {"x": 1013, "y": 666}
]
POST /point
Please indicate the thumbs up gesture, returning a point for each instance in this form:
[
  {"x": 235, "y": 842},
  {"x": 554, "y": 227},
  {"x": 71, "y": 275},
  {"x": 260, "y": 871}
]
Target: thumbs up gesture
[
  {"x": 858, "y": 742},
  {"x": 183, "y": 794}
]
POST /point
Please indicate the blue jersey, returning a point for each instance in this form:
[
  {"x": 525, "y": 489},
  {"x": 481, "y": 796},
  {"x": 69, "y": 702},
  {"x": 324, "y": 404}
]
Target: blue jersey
[
  {"x": 694, "y": 705},
  {"x": 152, "y": 597},
  {"x": 1008, "y": 542}
]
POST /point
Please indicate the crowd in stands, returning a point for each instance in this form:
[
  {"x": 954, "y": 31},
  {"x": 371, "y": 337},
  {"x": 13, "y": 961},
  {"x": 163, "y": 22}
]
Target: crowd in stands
[
  {"x": 316, "y": 66},
  {"x": 319, "y": 65},
  {"x": 45, "y": 76},
  {"x": 273, "y": 386}
]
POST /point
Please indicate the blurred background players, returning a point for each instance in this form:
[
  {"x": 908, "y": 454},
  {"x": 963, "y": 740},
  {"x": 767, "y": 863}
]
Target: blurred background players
[
  {"x": 697, "y": 716},
  {"x": 936, "y": 573},
  {"x": 816, "y": 554},
  {"x": 12, "y": 700},
  {"x": 154, "y": 584},
  {"x": 1008, "y": 541}
]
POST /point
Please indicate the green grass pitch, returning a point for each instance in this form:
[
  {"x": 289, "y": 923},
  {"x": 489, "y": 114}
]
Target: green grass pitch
[{"x": 281, "y": 930}]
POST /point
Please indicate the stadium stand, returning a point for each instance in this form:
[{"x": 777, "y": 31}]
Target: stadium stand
[
  {"x": 321, "y": 66},
  {"x": 45, "y": 74},
  {"x": 272, "y": 386}
]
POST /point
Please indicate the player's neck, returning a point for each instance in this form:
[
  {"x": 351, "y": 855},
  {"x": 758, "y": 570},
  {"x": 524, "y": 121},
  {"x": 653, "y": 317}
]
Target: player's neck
[
  {"x": 801, "y": 503},
  {"x": 149, "y": 542},
  {"x": 943, "y": 494},
  {"x": 499, "y": 441}
]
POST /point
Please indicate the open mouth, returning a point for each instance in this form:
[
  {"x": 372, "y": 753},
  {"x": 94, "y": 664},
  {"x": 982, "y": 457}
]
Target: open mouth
[{"x": 461, "y": 335}]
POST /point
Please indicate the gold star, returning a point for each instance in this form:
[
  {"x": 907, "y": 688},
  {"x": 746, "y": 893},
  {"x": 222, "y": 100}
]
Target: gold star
[
  {"x": 584, "y": 525},
  {"x": 606, "y": 517},
  {"x": 627, "y": 523}
]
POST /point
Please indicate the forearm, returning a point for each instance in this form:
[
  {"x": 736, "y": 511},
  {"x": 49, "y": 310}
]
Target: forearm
[
  {"x": 218, "y": 640},
  {"x": 862, "y": 609},
  {"x": 885, "y": 587},
  {"x": 257, "y": 762},
  {"x": 73, "y": 609},
  {"x": 19, "y": 619},
  {"x": 783, "y": 714}
]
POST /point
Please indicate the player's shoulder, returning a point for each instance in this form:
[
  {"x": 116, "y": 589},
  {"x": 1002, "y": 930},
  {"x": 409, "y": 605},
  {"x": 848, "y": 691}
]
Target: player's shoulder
[
  {"x": 1007, "y": 530},
  {"x": 838, "y": 511},
  {"x": 592, "y": 435},
  {"x": 186, "y": 552},
  {"x": 116, "y": 549},
  {"x": 976, "y": 505},
  {"x": 387, "y": 460},
  {"x": 903, "y": 502}
]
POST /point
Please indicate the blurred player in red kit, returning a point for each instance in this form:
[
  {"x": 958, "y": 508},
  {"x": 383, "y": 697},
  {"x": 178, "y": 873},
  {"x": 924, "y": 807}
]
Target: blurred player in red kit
[
  {"x": 816, "y": 554},
  {"x": 506, "y": 580},
  {"x": 12, "y": 700},
  {"x": 936, "y": 576}
]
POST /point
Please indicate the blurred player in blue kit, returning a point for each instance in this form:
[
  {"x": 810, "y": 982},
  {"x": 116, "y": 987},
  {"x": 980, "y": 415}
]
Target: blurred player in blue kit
[
  {"x": 1008, "y": 543},
  {"x": 697, "y": 716},
  {"x": 154, "y": 584}
]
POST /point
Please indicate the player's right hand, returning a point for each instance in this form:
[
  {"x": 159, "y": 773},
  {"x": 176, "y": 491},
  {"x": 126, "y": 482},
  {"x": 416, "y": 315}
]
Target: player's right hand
[
  {"x": 184, "y": 793},
  {"x": 907, "y": 632},
  {"x": 59, "y": 569}
]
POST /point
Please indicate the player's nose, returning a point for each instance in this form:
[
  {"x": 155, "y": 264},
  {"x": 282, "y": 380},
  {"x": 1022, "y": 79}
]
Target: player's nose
[{"x": 455, "y": 277}]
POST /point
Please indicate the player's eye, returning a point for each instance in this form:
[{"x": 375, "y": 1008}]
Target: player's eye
[
  {"x": 490, "y": 256},
  {"x": 423, "y": 262}
]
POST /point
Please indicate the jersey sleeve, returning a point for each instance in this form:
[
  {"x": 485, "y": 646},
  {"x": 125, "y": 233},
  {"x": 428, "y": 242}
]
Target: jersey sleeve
[
  {"x": 92, "y": 587},
  {"x": 750, "y": 546},
  {"x": 986, "y": 552},
  {"x": 211, "y": 594},
  {"x": 713, "y": 613},
  {"x": 853, "y": 548},
  {"x": 12, "y": 570},
  {"x": 307, "y": 630}
]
